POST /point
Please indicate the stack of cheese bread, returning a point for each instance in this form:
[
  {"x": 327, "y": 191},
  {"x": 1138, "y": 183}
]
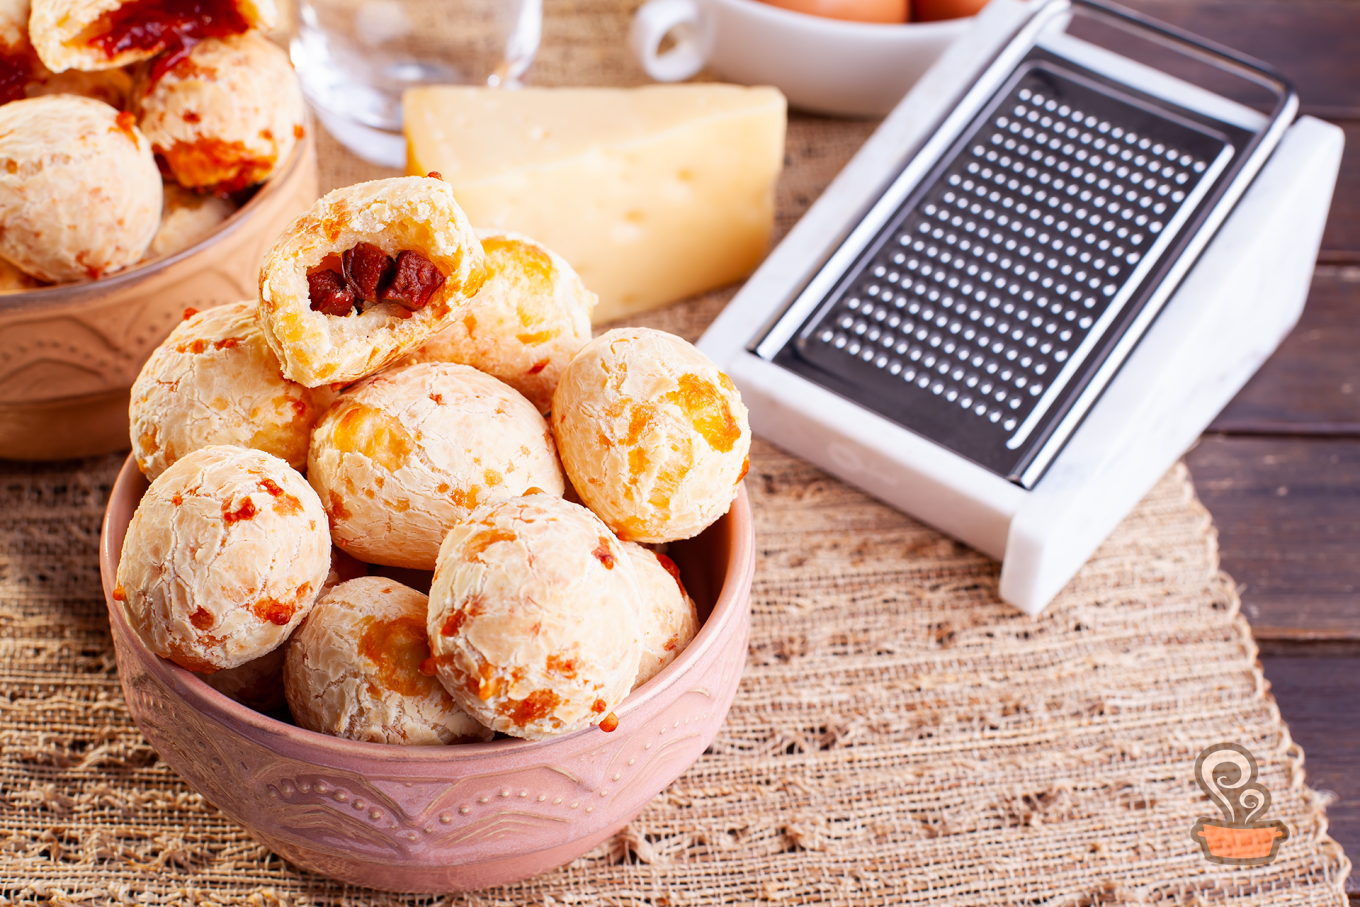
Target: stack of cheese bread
[
  {"x": 130, "y": 129},
  {"x": 457, "y": 427}
]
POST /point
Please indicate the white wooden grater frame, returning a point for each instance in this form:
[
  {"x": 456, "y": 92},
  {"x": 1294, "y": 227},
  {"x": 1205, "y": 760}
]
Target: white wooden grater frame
[{"x": 1231, "y": 310}]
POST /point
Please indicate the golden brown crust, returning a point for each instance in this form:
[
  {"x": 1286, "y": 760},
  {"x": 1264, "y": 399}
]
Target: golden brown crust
[
  {"x": 12, "y": 280},
  {"x": 416, "y": 214},
  {"x": 533, "y": 617},
  {"x": 112, "y": 86},
  {"x": 652, "y": 435},
  {"x": 223, "y": 558},
  {"x": 187, "y": 218},
  {"x": 215, "y": 381},
  {"x": 14, "y": 16},
  {"x": 353, "y": 670},
  {"x": 669, "y": 618},
  {"x": 530, "y": 317},
  {"x": 227, "y": 116},
  {"x": 403, "y": 455}
]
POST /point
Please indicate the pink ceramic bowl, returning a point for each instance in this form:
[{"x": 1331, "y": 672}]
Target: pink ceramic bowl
[
  {"x": 445, "y": 818},
  {"x": 69, "y": 353}
]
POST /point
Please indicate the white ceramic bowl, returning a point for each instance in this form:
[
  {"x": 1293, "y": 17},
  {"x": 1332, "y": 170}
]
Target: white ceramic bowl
[{"x": 821, "y": 65}]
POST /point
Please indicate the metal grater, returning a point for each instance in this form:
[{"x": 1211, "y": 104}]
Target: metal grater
[
  {"x": 1002, "y": 284},
  {"x": 997, "y": 290},
  {"x": 1038, "y": 281}
]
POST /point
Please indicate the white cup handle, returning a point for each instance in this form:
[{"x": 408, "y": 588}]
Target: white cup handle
[{"x": 652, "y": 23}]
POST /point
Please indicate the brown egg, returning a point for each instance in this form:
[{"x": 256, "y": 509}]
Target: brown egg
[
  {"x": 933, "y": 10},
  {"x": 882, "y": 11}
]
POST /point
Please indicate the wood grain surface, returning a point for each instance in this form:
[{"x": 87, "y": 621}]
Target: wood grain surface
[
  {"x": 1286, "y": 511},
  {"x": 1341, "y": 239},
  {"x": 1311, "y": 386},
  {"x": 1312, "y": 692}
]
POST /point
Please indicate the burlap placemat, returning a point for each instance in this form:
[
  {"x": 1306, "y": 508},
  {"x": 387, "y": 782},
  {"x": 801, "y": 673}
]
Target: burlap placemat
[{"x": 899, "y": 736}]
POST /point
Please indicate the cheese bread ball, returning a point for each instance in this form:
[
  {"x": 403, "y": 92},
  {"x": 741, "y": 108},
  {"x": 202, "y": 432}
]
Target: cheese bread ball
[
  {"x": 354, "y": 670},
  {"x": 107, "y": 34},
  {"x": 652, "y": 435},
  {"x": 223, "y": 558},
  {"x": 225, "y": 117},
  {"x": 368, "y": 274},
  {"x": 669, "y": 618},
  {"x": 187, "y": 218},
  {"x": 80, "y": 195},
  {"x": 534, "y": 617},
  {"x": 214, "y": 380},
  {"x": 257, "y": 684},
  {"x": 402, "y": 456},
  {"x": 525, "y": 324}
]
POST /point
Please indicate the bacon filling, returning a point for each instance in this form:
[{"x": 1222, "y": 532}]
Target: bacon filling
[
  {"x": 15, "y": 73},
  {"x": 369, "y": 276}
]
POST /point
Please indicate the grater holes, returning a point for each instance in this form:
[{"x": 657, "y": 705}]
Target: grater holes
[{"x": 1010, "y": 261}]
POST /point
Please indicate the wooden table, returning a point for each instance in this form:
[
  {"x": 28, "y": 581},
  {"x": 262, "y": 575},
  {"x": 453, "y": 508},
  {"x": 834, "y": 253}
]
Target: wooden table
[{"x": 1280, "y": 468}]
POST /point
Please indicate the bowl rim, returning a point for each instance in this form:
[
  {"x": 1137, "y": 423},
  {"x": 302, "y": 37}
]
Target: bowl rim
[
  {"x": 75, "y": 292},
  {"x": 848, "y": 28},
  {"x": 730, "y": 605}
]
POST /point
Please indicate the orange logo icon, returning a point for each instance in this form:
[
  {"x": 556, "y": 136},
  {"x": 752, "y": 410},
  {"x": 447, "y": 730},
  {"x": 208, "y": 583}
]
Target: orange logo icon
[{"x": 1227, "y": 773}]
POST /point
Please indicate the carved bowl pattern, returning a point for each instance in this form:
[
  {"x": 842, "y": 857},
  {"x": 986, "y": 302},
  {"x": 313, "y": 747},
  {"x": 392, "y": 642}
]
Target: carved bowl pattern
[
  {"x": 451, "y": 818},
  {"x": 69, "y": 354}
]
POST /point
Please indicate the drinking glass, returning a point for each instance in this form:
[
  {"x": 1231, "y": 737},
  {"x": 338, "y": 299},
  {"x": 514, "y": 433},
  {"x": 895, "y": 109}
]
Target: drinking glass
[{"x": 356, "y": 57}]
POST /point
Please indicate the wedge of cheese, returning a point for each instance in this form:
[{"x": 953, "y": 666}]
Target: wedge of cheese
[{"x": 652, "y": 194}]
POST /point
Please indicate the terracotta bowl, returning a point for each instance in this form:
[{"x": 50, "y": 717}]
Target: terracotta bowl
[
  {"x": 69, "y": 353},
  {"x": 444, "y": 818}
]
